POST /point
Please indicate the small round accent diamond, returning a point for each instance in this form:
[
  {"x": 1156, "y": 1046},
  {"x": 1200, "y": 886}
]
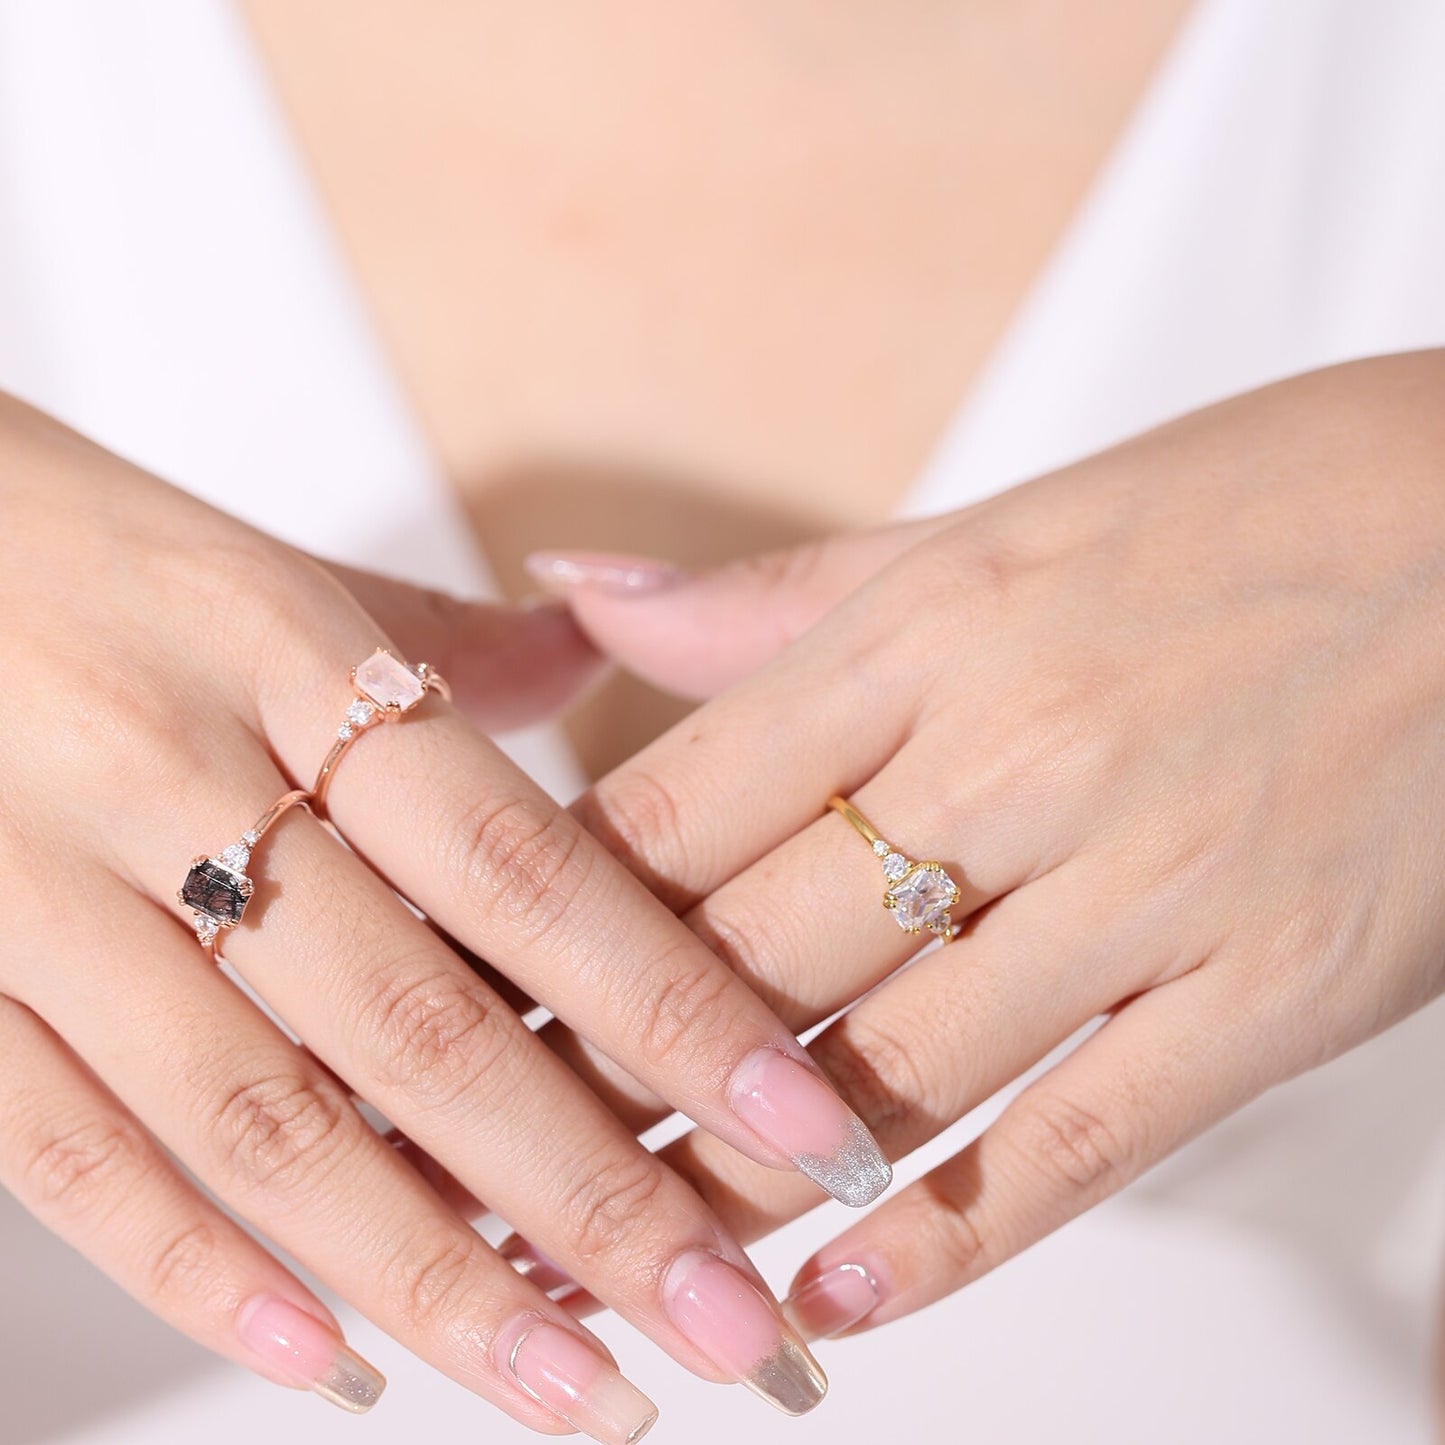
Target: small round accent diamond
[
  {"x": 360, "y": 713},
  {"x": 895, "y": 865},
  {"x": 880, "y": 847},
  {"x": 206, "y": 928},
  {"x": 235, "y": 857},
  {"x": 250, "y": 837},
  {"x": 344, "y": 732}
]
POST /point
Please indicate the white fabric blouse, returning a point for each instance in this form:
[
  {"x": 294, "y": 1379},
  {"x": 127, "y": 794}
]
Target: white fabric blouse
[{"x": 169, "y": 285}]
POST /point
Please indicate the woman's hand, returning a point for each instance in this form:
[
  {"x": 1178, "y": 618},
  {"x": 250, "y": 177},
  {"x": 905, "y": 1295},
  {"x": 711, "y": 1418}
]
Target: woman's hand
[
  {"x": 168, "y": 673},
  {"x": 1174, "y": 719}
]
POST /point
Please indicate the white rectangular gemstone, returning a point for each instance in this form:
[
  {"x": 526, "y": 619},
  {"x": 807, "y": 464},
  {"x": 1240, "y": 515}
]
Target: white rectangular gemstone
[
  {"x": 922, "y": 898},
  {"x": 389, "y": 683}
]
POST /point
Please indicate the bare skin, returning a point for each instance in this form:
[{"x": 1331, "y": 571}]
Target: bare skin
[
  {"x": 171, "y": 673},
  {"x": 1172, "y": 716},
  {"x": 708, "y": 279}
]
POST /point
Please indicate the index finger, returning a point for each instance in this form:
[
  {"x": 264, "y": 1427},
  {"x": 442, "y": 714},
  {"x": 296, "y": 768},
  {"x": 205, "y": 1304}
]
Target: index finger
[{"x": 437, "y": 809}]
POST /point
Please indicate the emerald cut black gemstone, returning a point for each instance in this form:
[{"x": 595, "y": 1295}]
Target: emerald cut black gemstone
[{"x": 216, "y": 892}]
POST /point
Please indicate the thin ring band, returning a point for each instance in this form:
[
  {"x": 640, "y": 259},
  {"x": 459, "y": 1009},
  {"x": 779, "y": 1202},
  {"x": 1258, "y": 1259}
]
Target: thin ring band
[
  {"x": 386, "y": 690},
  {"x": 218, "y": 889},
  {"x": 920, "y": 896}
]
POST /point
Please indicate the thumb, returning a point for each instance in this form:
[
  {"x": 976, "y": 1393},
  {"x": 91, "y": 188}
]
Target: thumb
[
  {"x": 507, "y": 666},
  {"x": 695, "y": 634}
]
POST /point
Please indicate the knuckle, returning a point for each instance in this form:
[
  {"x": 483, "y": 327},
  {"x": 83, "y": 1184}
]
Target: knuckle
[
  {"x": 883, "y": 1074},
  {"x": 638, "y": 819},
  {"x": 184, "y": 1264},
  {"x": 280, "y": 1131},
  {"x": 109, "y": 714},
  {"x": 432, "y": 1281},
  {"x": 977, "y": 568},
  {"x": 955, "y": 1239},
  {"x": 85, "y": 1166},
  {"x": 434, "y": 1034},
  {"x": 762, "y": 950},
  {"x": 683, "y": 1013},
  {"x": 1075, "y": 1147},
  {"x": 610, "y": 1203},
  {"x": 525, "y": 858}
]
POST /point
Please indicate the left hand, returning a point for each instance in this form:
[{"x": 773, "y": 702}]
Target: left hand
[{"x": 1173, "y": 719}]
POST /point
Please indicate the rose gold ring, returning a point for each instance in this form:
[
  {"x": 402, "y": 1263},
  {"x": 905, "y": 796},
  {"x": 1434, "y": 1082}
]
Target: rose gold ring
[
  {"x": 386, "y": 690},
  {"x": 218, "y": 889}
]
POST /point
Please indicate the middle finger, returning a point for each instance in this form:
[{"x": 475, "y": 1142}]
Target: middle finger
[
  {"x": 380, "y": 999},
  {"x": 443, "y": 815}
]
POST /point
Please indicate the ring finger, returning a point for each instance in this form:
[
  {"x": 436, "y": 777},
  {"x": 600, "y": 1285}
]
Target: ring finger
[
  {"x": 380, "y": 1000},
  {"x": 806, "y": 927}
]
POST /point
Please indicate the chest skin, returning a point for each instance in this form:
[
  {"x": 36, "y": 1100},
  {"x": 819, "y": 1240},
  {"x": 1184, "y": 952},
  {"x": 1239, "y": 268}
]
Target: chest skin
[{"x": 701, "y": 279}]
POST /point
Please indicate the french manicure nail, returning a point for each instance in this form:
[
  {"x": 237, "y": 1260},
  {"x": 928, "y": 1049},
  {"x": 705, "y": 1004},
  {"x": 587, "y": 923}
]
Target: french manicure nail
[
  {"x": 736, "y": 1327},
  {"x": 832, "y": 1302},
  {"x": 563, "y": 1372},
  {"x": 308, "y": 1352},
  {"x": 613, "y": 572},
  {"x": 533, "y": 1265},
  {"x": 796, "y": 1111}
]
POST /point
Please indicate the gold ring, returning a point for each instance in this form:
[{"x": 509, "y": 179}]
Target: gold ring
[
  {"x": 920, "y": 896},
  {"x": 218, "y": 889},
  {"x": 386, "y": 690}
]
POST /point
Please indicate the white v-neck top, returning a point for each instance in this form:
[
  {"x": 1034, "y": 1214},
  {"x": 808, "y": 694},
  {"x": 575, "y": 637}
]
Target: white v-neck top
[{"x": 169, "y": 285}]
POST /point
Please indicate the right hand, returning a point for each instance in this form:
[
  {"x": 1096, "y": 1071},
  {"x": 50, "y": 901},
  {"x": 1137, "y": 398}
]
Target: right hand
[{"x": 169, "y": 672}]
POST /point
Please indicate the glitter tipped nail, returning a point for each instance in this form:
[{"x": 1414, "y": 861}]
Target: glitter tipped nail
[
  {"x": 307, "y": 1352},
  {"x": 561, "y": 1370},
  {"x": 796, "y": 1111},
  {"x": 731, "y": 1322}
]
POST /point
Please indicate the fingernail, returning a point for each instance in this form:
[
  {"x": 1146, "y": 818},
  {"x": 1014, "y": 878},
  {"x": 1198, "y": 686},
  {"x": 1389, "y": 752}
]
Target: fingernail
[
  {"x": 739, "y": 1330},
  {"x": 533, "y": 1265},
  {"x": 613, "y": 572},
  {"x": 308, "y": 1352},
  {"x": 831, "y": 1302},
  {"x": 563, "y": 1372},
  {"x": 795, "y": 1110}
]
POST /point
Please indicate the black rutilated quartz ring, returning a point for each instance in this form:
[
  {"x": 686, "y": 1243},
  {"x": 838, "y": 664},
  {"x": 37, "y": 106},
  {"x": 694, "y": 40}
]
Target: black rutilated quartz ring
[{"x": 218, "y": 889}]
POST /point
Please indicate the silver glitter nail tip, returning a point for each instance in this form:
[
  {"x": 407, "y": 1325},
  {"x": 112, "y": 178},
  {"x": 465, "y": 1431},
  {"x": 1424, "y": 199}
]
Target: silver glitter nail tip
[
  {"x": 855, "y": 1173},
  {"x": 789, "y": 1379},
  {"x": 351, "y": 1384}
]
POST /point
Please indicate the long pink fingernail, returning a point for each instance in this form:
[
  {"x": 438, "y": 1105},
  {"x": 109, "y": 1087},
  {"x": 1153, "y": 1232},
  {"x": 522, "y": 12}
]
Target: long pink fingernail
[
  {"x": 613, "y": 572},
  {"x": 832, "y": 1302},
  {"x": 308, "y": 1352},
  {"x": 796, "y": 1111},
  {"x": 563, "y": 1372},
  {"x": 738, "y": 1329}
]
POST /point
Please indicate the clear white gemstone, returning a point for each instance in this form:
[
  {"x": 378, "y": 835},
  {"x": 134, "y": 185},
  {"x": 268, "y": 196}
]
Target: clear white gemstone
[
  {"x": 235, "y": 857},
  {"x": 389, "y": 683},
  {"x": 922, "y": 899},
  {"x": 880, "y": 847},
  {"x": 344, "y": 732},
  {"x": 250, "y": 838},
  {"x": 360, "y": 713},
  {"x": 895, "y": 865},
  {"x": 205, "y": 928}
]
